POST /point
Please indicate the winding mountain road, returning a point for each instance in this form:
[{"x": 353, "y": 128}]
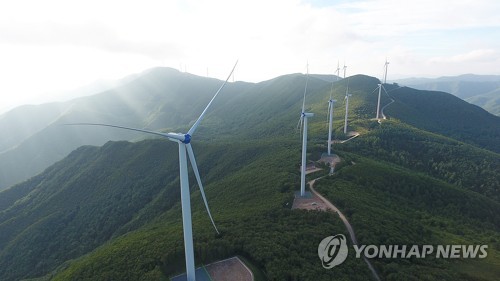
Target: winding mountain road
[
  {"x": 392, "y": 100},
  {"x": 345, "y": 221},
  {"x": 353, "y": 137},
  {"x": 382, "y": 110}
]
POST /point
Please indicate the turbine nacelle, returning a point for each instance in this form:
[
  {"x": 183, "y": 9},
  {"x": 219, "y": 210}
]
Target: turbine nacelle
[
  {"x": 303, "y": 115},
  {"x": 184, "y": 138}
]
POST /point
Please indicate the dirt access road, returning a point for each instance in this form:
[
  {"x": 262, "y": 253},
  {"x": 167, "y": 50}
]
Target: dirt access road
[{"x": 330, "y": 206}]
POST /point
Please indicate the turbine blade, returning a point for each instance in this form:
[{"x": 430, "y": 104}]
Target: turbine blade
[
  {"x": 304, "y": 99},
  {"x": 195, "y": 125},
  {"x": 305, "y": 89},
  {"x": 168, "y": 135},
  {"x": 347, "y": 88},
  {"x": 299, "y": 125},
  {"x": 198, "y": 179},
  {"x": 383, "y": 88},
  {"x": 328, "y": 114}
]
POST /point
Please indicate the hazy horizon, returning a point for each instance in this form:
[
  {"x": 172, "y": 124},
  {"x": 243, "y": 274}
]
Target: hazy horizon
[
  {"x": 81, "y": 90},
  {"x": 46, "y": 50}
]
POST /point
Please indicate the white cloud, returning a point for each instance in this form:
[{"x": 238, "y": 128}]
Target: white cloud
[
  {"x": 482, "y": 56},
  {"x": 392, "y": 17},
  {"x": 54, "y": 44}
]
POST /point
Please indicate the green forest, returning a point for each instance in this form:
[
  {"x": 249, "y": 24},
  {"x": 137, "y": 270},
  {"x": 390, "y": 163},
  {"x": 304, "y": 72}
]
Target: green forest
[{"x": 112, "y": 212}]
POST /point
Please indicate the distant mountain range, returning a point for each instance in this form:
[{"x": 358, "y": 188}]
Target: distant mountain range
[
  {"x": 481, "y": 90},
  {"x": 157, "y": 98},
  {"x": 427, "y": 176},
  {"x": 37, "y": 137}
]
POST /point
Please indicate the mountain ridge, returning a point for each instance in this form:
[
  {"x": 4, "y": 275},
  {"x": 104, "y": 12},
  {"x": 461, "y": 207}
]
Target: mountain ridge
[
  {"x": 154, "y": 101},
  {"x": 112, "y": 212},
  {"x": 481, "y": 90}
]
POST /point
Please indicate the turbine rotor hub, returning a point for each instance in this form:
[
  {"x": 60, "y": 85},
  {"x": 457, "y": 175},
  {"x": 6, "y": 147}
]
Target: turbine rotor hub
[{"x": 187, "y": 139}]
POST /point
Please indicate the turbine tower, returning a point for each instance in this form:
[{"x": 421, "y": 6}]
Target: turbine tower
[
  {"x": 303, "y": 123},
  {"x": 347, "y": 95},
  {"x": 378, "y": 102},
  {"x": 338, "y": 71},
  {"x": 345, "y": 68},
  {"x": 385, "y": 72},
  {"x": 331, "y": 103},
  {"x": 184, "y": 142},
  {"x": 380, "y": 86}
]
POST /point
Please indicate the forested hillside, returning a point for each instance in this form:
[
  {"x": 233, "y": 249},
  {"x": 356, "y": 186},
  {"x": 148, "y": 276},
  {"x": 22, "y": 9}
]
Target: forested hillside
[
  {"x": 113, "y": 212},
  {"x": 443, "y": 158},
  {"x": 444, "y": 114},
  {"x": 156, "y": 100},
  {"x": 481, "y": 90},
  {"x": 90, "y": 198}
]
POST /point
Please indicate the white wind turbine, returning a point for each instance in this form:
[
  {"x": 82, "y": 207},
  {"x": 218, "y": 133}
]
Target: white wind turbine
[
  {"x": 303, "y": 123},
  {"x": 184, "y": 142},
  {"x": 347, "y": 95},
  {"x": 338, "y": 71},
  {"x": 378, "y": 102},
  {"x": 385, "y": 73},
  {"x": 380, "y": 86},
  {"x": 345, "y": 68},
  {"x": 331, "y": 103}
]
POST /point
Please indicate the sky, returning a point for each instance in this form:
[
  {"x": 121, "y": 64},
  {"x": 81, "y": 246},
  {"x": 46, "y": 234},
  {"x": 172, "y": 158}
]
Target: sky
[{"x": 50, "y": 47}]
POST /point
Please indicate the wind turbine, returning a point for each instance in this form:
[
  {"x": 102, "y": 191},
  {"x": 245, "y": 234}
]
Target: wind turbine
[
  {"x": 380, "y": 86},
  {"x": 338, "y": 71},
  {"x": 347, "y": 95},
  {"x": 378, "y": 102},
  {"x": 184, "y": 142},
  {"x": 345, "y": 68},
  {"x": 331, "y": 103},
  {"x": 385, "y": 73},
  {"x": 303, "y": 122}
]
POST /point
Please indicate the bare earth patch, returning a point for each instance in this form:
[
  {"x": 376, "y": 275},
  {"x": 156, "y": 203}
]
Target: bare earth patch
[
  {"x": 232, "y": 269},
  {"x": 313, "y": 203}
]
